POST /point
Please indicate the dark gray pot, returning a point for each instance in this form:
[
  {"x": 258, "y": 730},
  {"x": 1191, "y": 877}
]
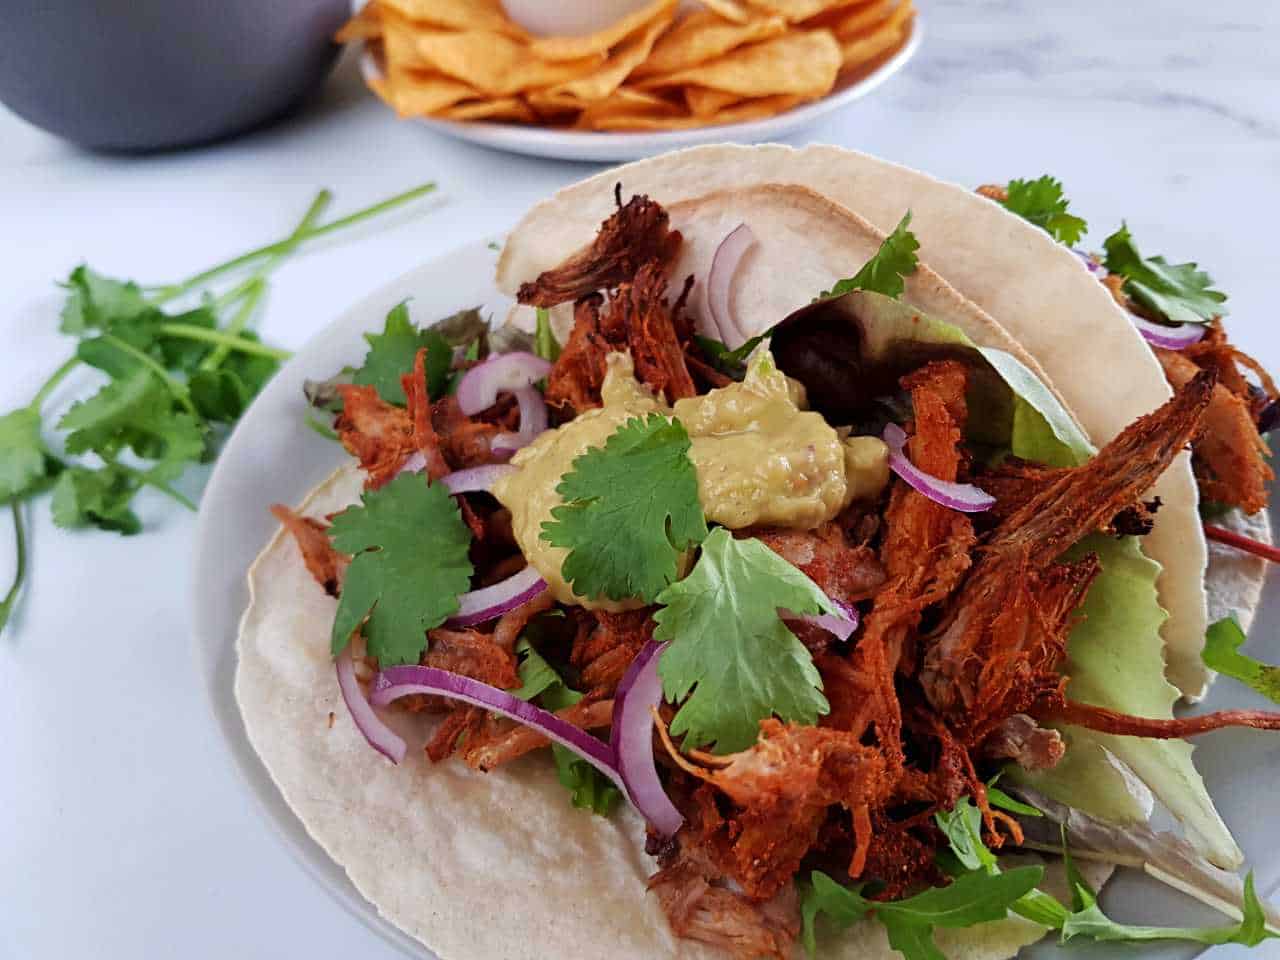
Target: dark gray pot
[{"x": 151, "y": 74}]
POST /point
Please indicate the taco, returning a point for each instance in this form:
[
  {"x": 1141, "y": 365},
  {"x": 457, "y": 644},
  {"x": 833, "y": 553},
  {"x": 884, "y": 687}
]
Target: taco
[{"x": 788, "y": 549}]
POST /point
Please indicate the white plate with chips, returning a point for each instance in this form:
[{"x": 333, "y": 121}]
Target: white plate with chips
[{"x": 619, "y": 146}]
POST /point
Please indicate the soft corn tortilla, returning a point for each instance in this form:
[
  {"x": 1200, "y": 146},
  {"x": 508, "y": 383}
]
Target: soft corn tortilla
[
  {"x": 1033, "y": 287},
  {"x": 473, "y": 865}
]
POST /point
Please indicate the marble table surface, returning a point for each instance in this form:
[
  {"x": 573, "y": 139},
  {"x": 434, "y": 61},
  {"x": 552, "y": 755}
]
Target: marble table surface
[{"x": 123, "y": 831}]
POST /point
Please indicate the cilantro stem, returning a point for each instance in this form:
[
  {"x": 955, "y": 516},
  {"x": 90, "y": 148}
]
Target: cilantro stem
[
  {"x": 254, "y": 289},
  {"x": 318, "y": 206},
  {"x": 289, "y": 243},
  {"x": 150, "y": 481},
  {"x": 176, "y": 387},
  {"x": 10, "y": 598},
  {"x": 51, "y": 384},
  {"x": 242, "y": 344}
]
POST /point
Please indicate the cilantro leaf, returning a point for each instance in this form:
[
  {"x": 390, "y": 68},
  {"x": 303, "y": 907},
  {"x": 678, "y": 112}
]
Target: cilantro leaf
[
  {"x": 1092, "y": 922},
  {"x": 970, "y": 899},
  {"x": 1177, "y": 292},
  {"x": 1002, "y": 801},
  {"x": 136, "y": 412},
  {"x": 22, "y": 453},
  {"x": 883, "y": 273},
  {"x": 1041, "y": 202},
  {"x": 1222, "y": 643},
  {"x": 630, "y": 508},
  {"x": 409, "y": 565},
  {"x": 95, "y": 302},
  {"x": 730, "y": 654},
  {"x": 98, "y": 498},
  {"x": 391, "y": 355},
  {"x": 545, "y": 343},
  {"x": 224, "y": 393},
  {"x": 589, "y": 789}
]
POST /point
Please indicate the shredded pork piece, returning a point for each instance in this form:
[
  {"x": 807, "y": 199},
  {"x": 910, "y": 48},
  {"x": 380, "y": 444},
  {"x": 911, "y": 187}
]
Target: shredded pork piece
[
  {"x": 652, "y": 336},
  {"x": 323, "y": 562},
  {"x": 604, "y": 650},
  {"x": 1229, "y": 457},
  {"x": 1005, "y": 634},
  {"x": 1122, "y": 724},
  {"x": 635, "y": 234},
  {"x": 425, "y": 438},
  {"x": 1026, "y": 743},
  {"x": 1014, "y": 483},
  {"x": 378, "y": 434},
  {"x": 993, "y": 191},
  {"x": 473, "y": 654},
  {"x": 512, "y": 623},
  {"x": 501, "y": 741}
]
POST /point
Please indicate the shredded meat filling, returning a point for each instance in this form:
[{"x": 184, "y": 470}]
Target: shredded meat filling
[{"x": 323, "y": 562}]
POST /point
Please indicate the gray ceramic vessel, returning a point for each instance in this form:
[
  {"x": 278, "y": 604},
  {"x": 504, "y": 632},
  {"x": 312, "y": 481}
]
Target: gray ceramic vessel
[{"x": 153, "y": 74}]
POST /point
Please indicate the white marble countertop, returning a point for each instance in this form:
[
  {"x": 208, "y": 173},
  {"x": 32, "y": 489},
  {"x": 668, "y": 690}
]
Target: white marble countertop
[{"x": 123, "y": 831}]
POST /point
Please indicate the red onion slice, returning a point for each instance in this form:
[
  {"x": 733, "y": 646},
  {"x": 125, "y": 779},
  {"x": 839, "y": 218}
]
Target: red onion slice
[
  {"x": 631, "y": 739},
  {"x": 1177, "y": 337},
  {"x": 1097, "y": 269},
  {"x": 719, "y": 282},
  {"x": 381, "y": 737},
  {"x": 533, "y": 421},
  {"x": 841, "y": 624},
  {"x": 488, "y": 603},
  {"x": 396, "y": 682},
  {"x": 504, "y": 372},
  {"x": 964, "y": 497},
  {"x": 476, "y": 479}
]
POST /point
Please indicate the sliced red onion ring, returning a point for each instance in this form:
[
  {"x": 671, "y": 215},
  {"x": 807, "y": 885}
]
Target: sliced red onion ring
[
  {"x": 381, "y": 737},
  {"x": 964, "y": 497},
  {"x": 504, "y": 372},
  {"x": 487, "y": 603},
  {"x": 533, "y": 421},
  {"x": 840, "y": 624},
  {"x": 631, "y": 739},
  {"x": 476, "y": 478},
  {"x": 396, "y": 682},
  {"x": 1177, "y": 337},
  {"x": 719, "y": 281}
]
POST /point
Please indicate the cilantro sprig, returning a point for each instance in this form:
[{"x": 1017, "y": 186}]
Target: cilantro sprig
[
  {"x": 1222, "y": 643},
  {"x": 731, "y": 659},
  {"x": 1177, "y": 292},
  {"x": 391, "y": 354},
  {"x": 178, "y": 361},
  {"x": 630, "y": 509},
  {"x": 1042, "y": 202},
  {"x": 409, "y": 564},
  {"x": 886, "y": 271},
  {"x": 589, "y": 789}
]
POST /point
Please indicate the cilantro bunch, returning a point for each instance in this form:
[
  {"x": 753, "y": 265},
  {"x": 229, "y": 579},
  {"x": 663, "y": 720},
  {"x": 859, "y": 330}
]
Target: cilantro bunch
[{"x": 180, "y": 366}]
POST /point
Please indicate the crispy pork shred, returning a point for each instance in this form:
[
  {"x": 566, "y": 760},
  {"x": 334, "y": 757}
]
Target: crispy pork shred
[
  {"x": 1005, "y": 632},
  {"x": 1020, "y": 739},
  {"x": 1230, "y": 457},
  {"x": 323, "y": 562},
  {"x": 637, "y": 233}
]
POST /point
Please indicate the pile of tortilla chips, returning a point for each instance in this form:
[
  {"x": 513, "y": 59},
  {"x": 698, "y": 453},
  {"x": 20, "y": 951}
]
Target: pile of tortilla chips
[{"x": 658, "y": 68}]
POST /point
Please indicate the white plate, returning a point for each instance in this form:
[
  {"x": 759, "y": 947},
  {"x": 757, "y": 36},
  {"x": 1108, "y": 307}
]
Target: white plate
[
  {"x": 621, "y": 146},
  {"x": 273, "y": 458}
]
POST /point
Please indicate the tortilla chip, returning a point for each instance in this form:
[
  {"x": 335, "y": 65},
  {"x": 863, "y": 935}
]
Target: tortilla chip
[
  {"x": 492, "y": 63},
  {"x": 603, "y": 81},
  {"x": 852, "y": 21},
  {"x": 504, "y": 108},
  {"x": 703, "y": 36},
  {"x": 802, "y": 63},
  {"x": 704, "y": 102},
  {"x": 744, "y": 111},
  {"x": 365, "y": 25},
  {"x": 628, "y": 102},
  {"x": 456, "y": 14},
  {"x": 729, "y": 9},
  {"x": 796, "y": 10},
  {"x": 419, "y": 93},
  {"x": 880, "y": 39},
  {"x": 575, "y": 48}
]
